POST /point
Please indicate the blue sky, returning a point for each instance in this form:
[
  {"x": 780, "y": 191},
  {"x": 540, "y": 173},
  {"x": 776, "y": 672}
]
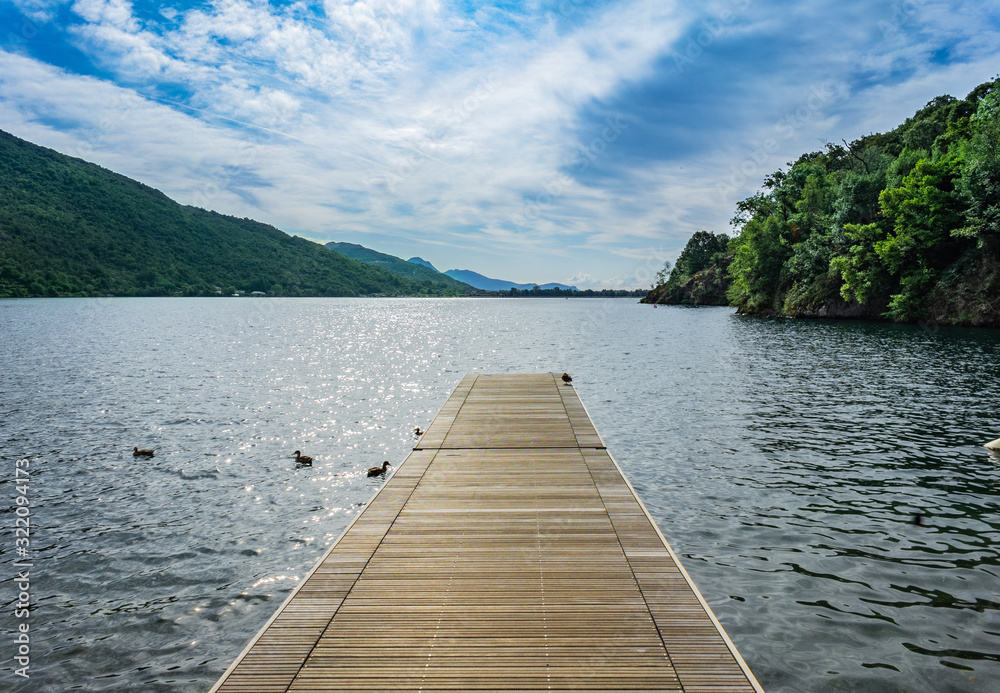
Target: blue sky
[{"x": 572, "y": 141}]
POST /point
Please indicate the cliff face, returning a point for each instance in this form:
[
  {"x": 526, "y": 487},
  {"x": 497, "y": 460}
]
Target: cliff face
[
  {"x": 831, "y": 308},
  {"x": 705, "y": 288},
  {"x": 966, "y": 295}
]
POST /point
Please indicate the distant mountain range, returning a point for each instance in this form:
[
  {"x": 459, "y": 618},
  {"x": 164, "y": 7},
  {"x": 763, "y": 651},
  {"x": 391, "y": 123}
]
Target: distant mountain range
[
  {"x": 422, "y": 272},
  {"x": 487, "y": 284},
  {"x": 421, "y": 268}
]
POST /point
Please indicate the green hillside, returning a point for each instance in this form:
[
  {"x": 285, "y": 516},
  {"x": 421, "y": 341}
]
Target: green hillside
[
  {"x": 902, "y": 225},
  {"x": 71, "y": 228},
  {"x": 398, "y": 266}
]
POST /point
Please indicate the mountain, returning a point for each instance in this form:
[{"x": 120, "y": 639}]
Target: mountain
[
  {"x": 418, "y": 268},
  {"x": 421, "y": 261},
  {"x": 405, "y": 268},
  {"x": 72, "y": 228},
  {"x": 481, "y": 282}
]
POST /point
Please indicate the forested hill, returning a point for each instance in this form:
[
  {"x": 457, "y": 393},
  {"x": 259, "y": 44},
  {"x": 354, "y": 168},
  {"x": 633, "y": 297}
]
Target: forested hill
[
  {"x": 71, "y": 228},
  {"x": 903, "y": 225},
  {"x": 399, "y": 266}
]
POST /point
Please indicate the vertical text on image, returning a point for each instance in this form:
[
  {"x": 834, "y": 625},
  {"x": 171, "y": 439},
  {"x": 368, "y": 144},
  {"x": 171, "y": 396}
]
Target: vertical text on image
[{"x": 22, "y": 566}]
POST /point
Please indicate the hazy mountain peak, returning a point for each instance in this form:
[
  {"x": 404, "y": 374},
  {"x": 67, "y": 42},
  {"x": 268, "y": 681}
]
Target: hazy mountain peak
[
  {"x": 488, "y": 284},
  {"x": 421, "y": 261}
]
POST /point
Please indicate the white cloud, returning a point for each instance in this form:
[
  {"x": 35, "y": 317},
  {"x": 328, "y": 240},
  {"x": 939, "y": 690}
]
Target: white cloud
[
  {"x": 39, "y": 10},
  {"x": 117, "y": 13},
  {"x": 112, "y": 126},
  {"x": 412, "y": 121}
]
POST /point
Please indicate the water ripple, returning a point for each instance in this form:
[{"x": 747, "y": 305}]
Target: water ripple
[{"x": 786, "y": 461}]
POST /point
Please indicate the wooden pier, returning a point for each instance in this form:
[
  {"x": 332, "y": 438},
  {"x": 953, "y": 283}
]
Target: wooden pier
[{"x": 507, "y": 553}]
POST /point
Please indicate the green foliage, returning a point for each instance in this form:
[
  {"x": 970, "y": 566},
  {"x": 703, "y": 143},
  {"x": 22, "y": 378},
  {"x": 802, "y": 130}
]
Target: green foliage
[
  {"x": 980, "y": 181},
  {"x": 70, "y": 228},
  {"x": 760, "y": 252},
  {"x": 703, "y": 250},
  {"x": 861, "y": 268},
  {"x": 663, "y": 275},
  {"x": 924, "y": 208},
  {"x": 882, "y": 223}
]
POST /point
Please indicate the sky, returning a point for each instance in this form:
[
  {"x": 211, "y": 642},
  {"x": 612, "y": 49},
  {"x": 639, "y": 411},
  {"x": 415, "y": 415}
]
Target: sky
[{"x": 564, "y": 140}]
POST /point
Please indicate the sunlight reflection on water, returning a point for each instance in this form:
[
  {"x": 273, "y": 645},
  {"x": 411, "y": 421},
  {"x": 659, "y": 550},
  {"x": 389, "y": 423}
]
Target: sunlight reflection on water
[{"x": 784, "y": 460}]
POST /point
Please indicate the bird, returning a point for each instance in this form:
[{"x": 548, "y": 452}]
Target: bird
[
  {"x": 994, "y": 445},
  {"x": 918, "y": 519},
  {"x": 566, "y": 378},
  {"x": 136, "y": 452},
  {"x": 417, "y": 431},
  {"x": 302, "y": 459},
  {"x": 379, "y": 471}
]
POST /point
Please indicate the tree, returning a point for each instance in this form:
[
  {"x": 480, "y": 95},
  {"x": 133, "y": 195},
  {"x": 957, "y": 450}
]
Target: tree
[
  {"x": 861, "y": 269},
  {"x": 661, "y": 277},
  {"x": 702, "y": 250},
  {"x": 759, "y": 257},
  {"x": 980, "y": 178},
  {"x": 924, "y": 211}
]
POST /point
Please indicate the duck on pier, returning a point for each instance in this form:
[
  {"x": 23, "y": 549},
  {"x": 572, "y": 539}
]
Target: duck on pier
[
  {"x": 302, "y": 459},
  {"x": 136, "y": 452},
  {"x": 379, "y": 471},
  {"x": 566, "y": 378}
]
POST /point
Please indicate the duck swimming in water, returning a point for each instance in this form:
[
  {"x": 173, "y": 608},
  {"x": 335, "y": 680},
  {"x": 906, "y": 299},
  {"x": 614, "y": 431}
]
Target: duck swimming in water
[
  {"x": 379, "y": 471},
  {"x": 136, "y": 452},
  {"x": 302, "y": 459},
  {"x": 417, "y": 431}
]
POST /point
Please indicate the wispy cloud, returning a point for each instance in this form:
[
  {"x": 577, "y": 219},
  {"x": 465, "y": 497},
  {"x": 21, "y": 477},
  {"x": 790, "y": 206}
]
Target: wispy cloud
[{"x": 478, "y": 135}]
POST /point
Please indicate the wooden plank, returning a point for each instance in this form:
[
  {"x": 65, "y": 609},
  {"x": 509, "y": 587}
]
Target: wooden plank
[{"x": 508, "y": 552}]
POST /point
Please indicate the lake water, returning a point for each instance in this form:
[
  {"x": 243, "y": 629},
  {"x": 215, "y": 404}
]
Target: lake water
[{"x": 784, "y": 461}]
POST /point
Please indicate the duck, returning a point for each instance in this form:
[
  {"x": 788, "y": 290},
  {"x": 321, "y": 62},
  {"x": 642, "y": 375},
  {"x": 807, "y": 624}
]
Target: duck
[
  {"x": 302, "y": 459},
  {"x": 417, "y": 431},
  {"x": 136, "y": 452},
  {"x": 566, "y": 378},
  {"x": 994, "y": 446},
  {"x": 379, "y": 471}
]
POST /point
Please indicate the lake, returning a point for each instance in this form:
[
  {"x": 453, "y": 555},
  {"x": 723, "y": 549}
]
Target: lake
[{"x": 785, "y": 461}]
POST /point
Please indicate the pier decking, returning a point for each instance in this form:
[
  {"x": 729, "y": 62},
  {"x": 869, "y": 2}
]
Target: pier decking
[{"x": 507, "y": 553}]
